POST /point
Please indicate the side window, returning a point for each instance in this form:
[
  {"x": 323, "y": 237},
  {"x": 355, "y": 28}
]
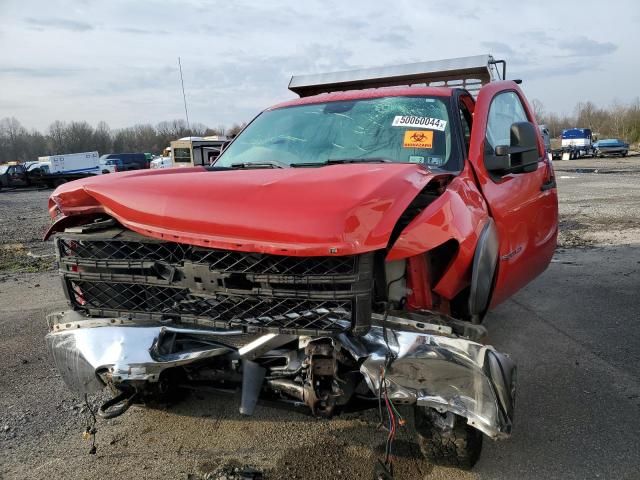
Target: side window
[
  {"x": 506, "y": 108},
  {"x": 465, "y": 121}
]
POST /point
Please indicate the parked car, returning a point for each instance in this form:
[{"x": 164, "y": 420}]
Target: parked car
[
  {"x": 13, "y": 175},
  {"x": 123, "y": 162},
  {"x": 340, "y": 254},
  {"x": 611, "y": 146}
]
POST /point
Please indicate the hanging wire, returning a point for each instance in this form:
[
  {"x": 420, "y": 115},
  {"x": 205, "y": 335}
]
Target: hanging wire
[{"x": 90, "y": 430}]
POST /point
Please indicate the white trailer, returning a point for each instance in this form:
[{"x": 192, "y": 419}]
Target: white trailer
[
  {"x": 73, "y": 163},
  {"x": 54, "y": 170}
]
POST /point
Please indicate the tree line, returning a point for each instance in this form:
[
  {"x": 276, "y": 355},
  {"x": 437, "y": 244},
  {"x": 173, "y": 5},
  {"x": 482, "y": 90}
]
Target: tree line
[
  {"x": 19, "y": 143},
  {"x": 616, "y": 121}
]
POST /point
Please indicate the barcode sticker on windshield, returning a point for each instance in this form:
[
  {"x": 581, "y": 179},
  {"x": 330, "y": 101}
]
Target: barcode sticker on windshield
[{"x": 419, "y": 122}]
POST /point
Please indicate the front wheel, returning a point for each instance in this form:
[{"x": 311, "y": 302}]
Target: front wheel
[{"x": 446, "y": 439}]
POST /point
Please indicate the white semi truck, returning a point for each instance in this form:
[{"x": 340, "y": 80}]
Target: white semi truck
[{"x": 576, "y": 143}]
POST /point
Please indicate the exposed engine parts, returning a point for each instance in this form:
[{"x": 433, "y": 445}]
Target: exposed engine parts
[{"x": 434, "y": 366}]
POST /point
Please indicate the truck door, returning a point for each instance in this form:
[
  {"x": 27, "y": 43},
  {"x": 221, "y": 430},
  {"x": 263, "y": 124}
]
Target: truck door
[{"x": 522, "y": 199}]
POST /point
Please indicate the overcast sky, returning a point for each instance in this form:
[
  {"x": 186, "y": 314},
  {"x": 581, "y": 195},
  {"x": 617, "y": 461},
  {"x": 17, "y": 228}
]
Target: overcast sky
[{"x": 116, "y": 60}]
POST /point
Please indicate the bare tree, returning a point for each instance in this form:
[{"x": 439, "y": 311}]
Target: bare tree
[
  {"x": 57, "y": 137},
  {"x": 102, "y": 138},
  {"x": 236, "y": 129},
  {"x": 13, "y": 135},
  {"x": 538, "y": 109}
]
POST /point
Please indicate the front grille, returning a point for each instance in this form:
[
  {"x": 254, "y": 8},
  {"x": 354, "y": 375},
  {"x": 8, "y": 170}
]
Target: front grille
[{"x": 124, "y": 274}]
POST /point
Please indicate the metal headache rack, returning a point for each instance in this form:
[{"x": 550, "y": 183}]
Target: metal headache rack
[{"x": 470, "y": 73}]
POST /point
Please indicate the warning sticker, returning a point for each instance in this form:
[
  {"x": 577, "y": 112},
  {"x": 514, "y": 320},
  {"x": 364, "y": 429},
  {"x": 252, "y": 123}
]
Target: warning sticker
[
  {"x": 418, "y": 139},
  {"x": 419, "y": 122}
]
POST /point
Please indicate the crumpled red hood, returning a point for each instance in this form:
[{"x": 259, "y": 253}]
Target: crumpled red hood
[{"x": 337, "y": 209}]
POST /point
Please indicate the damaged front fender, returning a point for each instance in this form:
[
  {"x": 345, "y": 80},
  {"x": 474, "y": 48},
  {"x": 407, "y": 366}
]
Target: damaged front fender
[{"x": 447, "y": 373}]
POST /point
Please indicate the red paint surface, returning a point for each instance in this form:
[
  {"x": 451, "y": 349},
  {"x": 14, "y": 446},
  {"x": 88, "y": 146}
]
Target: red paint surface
[
  {"x": 419, "y": 284},
  {"x": 526, "y": 216},
  {"x": 346, "y": 208}
]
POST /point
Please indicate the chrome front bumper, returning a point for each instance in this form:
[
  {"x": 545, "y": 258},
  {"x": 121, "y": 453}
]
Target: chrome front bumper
[
  {"x": 432, "y": 369},
  {"x": 85, "y": 348}
]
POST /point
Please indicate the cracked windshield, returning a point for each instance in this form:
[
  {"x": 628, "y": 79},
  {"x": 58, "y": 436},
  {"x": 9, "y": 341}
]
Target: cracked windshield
[{"x": 395, "y": 129}]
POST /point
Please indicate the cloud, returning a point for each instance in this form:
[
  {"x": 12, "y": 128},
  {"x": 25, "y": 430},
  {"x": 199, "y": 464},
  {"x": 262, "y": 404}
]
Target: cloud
[
  {"x": 59, "y": 23},
  {"x": 569, "y": 69},
  {"x": 39, "y": 72},
  {"x": 141, "y": 31},
  {"x": 538, "y": 36},
  {"x": 132, "y": 80},
  {"x": 462, "y": 10},
  {"x": 587, "y": 47},
  {"x": 393, "y": 39},
  {"x": 498, "y": 48}
]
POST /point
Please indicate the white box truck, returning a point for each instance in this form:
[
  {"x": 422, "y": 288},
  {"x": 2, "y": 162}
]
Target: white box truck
[
  {"x": 86, "y": 162},
  {"x": 54, "y": 170}
]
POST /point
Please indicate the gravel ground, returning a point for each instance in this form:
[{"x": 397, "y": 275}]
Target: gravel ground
[
  {"x": 23, "y": 222},
  {"x": 577, "y": 349},
  {"x": 599, "y": 208}
]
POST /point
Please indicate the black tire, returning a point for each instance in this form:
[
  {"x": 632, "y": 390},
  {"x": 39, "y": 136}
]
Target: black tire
[
  {"x": 446, "y": 439},
  {"x": 624, "y": 154}
]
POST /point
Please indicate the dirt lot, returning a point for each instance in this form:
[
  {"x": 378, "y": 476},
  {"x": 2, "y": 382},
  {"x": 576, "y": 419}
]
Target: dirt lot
[{"x": 573, "y": 333}]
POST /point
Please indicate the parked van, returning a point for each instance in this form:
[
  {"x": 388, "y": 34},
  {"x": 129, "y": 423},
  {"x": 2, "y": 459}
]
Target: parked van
[{"x": 123, "y": 162}]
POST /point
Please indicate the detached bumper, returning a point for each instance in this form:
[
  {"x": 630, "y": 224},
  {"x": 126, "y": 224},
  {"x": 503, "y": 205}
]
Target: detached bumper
[
  {"x": 437, "y": 370},
  {"x": 449, "y": 374},
  {"x": 84, "y": 350}
]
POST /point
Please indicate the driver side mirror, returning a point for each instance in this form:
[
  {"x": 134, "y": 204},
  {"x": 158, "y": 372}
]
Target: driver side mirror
[{"x": 519, "y": 157}]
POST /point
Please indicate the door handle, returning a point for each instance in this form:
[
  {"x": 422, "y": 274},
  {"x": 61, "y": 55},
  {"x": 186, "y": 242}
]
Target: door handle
[{"x": 549, "y": 185}]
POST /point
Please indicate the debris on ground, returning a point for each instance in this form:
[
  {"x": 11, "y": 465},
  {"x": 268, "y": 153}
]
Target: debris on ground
[{"x": 234, "y": 472}]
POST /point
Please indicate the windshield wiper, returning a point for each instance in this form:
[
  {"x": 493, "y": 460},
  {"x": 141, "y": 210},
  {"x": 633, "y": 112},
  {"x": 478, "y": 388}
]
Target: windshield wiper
[
  {"x": 338, "y": 161},
  {"x": 264, "y": 164}
]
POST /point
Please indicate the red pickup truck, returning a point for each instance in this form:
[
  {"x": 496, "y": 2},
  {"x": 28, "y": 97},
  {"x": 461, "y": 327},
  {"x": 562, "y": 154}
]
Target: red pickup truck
[{"x": 341, "y": 253}]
